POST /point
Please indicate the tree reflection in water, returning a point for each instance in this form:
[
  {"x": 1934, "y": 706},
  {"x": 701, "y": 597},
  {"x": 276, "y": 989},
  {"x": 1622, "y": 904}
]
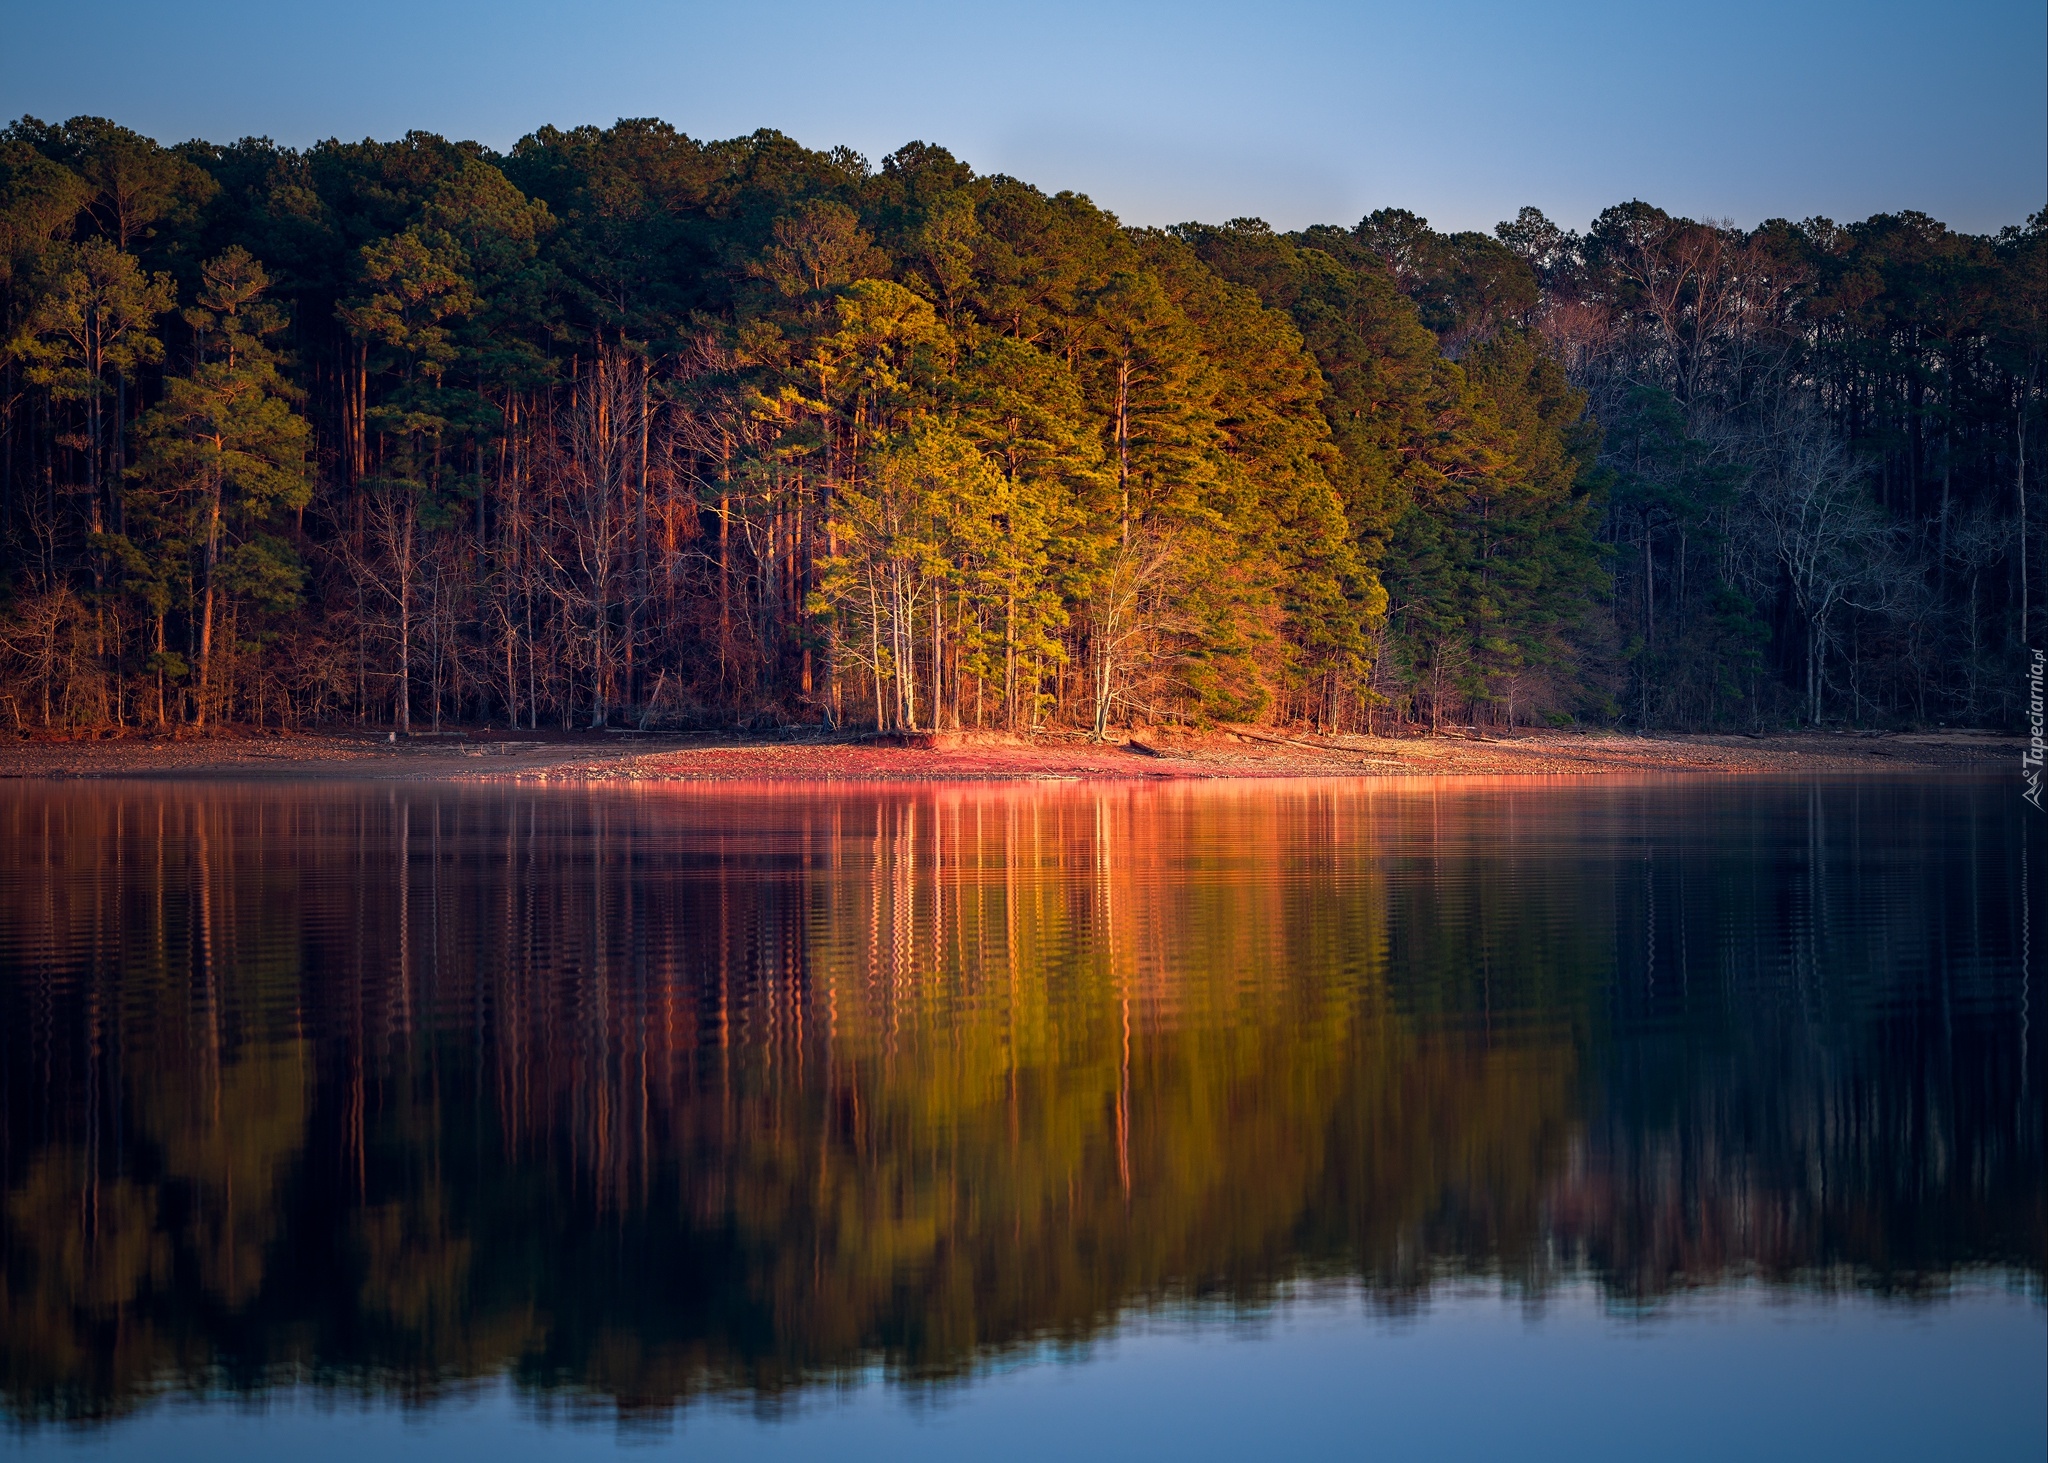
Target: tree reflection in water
[{"x": 642, "y": 1095}]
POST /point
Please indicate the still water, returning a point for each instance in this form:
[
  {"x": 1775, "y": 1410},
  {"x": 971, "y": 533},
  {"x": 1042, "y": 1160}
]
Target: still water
[{"x": 1384, "y": 1119}]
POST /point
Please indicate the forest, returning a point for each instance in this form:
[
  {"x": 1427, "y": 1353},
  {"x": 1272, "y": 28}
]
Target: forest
[{"x": 625, "y": 429}]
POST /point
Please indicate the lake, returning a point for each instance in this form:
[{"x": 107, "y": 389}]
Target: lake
[{"x": 1583, "y": 1118}]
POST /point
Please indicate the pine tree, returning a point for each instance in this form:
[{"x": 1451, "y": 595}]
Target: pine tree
[{"x": 222, "y": 463}]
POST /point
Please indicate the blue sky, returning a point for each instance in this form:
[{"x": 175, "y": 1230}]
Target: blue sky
[{"x": 1298, "y": 111}]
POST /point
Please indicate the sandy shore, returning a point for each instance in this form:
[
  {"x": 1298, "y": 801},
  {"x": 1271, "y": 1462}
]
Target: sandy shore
[{"x": 1248, "y": 752}]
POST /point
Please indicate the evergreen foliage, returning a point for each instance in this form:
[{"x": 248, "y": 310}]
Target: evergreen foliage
[{"x": 626, "y": 425}]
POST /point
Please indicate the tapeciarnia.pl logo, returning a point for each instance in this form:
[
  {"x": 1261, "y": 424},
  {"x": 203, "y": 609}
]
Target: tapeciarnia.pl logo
[{"x": 2030, "y": 765}]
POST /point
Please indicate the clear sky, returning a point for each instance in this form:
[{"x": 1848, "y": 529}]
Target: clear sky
[{"x": 1297, "y": 111}]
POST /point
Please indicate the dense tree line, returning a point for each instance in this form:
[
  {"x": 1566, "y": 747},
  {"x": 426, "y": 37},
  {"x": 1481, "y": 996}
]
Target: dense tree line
[{"x": 624, "y": 426}]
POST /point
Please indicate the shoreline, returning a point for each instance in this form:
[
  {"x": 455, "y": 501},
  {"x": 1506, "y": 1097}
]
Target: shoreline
[{"x": 492, "y": 756}]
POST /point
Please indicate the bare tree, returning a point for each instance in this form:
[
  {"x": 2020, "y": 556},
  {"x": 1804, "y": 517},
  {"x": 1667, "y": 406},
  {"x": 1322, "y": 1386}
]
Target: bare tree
[
  {"x": 591, "y": 464},
  {"x": 47, "y": 639},
  {"x": 1127, "y": 625},
  {"x": 1816, "y": 530},
  {"x": 386, "y": 564}
]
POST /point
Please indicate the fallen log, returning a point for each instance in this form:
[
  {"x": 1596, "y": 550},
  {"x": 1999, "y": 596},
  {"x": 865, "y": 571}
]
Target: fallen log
[{"x": 1253, "y": 736}]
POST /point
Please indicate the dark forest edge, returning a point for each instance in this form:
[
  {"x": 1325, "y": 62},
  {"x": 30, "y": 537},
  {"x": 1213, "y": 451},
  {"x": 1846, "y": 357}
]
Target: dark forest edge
[{"x": 624, "y": 428}]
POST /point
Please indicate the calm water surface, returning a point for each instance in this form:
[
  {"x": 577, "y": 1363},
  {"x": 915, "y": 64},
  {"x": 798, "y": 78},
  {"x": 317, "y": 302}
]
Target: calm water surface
[{"x": 1665, "y": 1119}]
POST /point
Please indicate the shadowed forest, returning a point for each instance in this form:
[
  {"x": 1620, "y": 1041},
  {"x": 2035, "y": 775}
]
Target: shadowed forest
[
  {"x": 644, "y": 1097},
  {"x": 625, "y": 428}
]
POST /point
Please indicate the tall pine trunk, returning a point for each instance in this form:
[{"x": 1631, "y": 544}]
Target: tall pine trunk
[{"x": 211, "y": 557}]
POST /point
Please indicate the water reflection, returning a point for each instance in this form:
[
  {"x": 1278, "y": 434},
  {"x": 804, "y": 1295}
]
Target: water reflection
[{"x": 641, "y": 1095}]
